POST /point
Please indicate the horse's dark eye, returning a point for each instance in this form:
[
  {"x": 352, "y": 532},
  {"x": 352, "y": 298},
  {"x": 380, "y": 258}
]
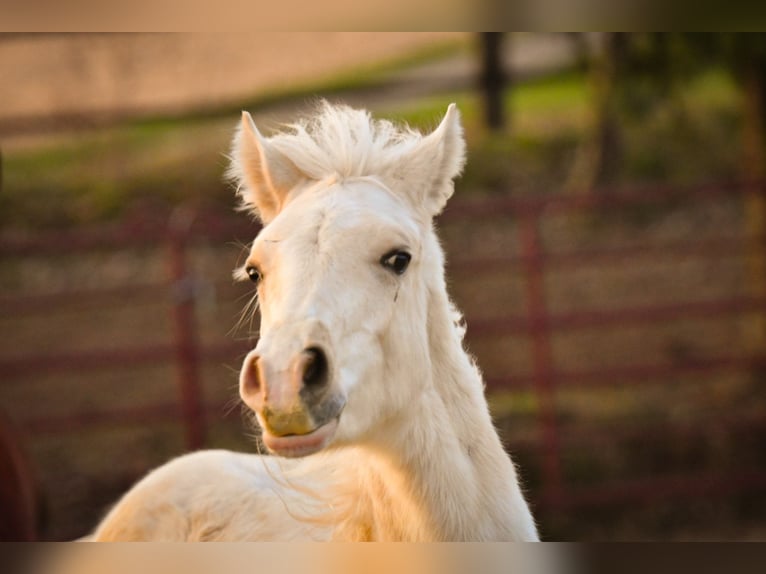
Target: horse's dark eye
[
  {"x": 397, "y": 261},
  {"x": 254, "y": 274}
]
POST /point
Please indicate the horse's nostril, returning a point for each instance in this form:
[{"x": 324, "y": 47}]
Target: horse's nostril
[
  {"x": 250, "y": 379},
  {"x": 314, "y": 367}
]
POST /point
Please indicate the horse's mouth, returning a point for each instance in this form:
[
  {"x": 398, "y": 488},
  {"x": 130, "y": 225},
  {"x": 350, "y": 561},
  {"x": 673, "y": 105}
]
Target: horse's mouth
[{"x": 298, "y": 445}]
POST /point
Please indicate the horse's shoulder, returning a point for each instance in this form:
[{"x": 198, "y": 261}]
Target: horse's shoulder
[{"x": 205, "y": 495}]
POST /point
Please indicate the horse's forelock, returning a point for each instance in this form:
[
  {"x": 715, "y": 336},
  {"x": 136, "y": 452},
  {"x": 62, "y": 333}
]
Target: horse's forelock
[{"x": 339, "y": 140}]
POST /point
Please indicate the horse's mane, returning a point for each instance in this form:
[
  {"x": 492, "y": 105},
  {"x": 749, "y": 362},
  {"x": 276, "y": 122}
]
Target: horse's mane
[{"x": 339, "y": 140}]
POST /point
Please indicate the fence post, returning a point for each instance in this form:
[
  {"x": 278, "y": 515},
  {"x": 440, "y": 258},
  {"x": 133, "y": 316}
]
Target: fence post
[
  {"x": 542, "y": 352},
  {"x": 185, "y": 340}
]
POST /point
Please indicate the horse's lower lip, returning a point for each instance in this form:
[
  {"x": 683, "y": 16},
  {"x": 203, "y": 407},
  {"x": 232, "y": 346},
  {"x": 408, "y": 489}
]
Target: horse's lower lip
[{"x": 297, "y": 445}]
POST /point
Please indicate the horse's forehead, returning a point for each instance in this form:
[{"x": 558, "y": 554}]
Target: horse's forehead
[{"x": 336, "y": 211}]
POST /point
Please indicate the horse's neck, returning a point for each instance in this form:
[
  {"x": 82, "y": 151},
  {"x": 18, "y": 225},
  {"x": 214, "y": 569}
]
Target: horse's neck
[{"x": 442, "y": 473}]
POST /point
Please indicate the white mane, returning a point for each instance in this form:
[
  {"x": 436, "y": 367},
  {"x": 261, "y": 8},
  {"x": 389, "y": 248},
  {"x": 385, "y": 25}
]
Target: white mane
[{"x": 339, "y": 140}]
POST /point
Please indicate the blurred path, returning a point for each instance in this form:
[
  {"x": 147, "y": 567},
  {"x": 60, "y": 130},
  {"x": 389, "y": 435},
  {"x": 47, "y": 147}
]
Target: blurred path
[
  {"x": 137, "y": 74},
  {"x": 112, "y": 77}
]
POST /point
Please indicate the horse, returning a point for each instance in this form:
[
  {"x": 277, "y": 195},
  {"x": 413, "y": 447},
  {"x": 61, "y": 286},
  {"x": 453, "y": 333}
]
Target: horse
[{"x": 372, "y": 411}]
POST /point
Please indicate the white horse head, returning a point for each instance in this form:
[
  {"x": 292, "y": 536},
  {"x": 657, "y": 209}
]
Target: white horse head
[
  {"x": 343, "y": 267},
  {"x": 358, "y": 346}
]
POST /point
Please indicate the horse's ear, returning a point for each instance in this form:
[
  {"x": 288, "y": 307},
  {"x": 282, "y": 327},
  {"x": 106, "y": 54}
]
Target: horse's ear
[
  {"x": 430, "y": 169},
  {"x": 262, "y": 173}
]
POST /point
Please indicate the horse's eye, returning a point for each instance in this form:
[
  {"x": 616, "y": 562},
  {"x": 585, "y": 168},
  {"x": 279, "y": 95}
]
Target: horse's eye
[
  {"x": 254, "y": 274},
  {"x": 397, "y": 261}
]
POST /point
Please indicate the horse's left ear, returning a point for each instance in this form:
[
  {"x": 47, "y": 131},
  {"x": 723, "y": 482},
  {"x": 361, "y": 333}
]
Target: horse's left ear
[{"x": 429, "y": 170}]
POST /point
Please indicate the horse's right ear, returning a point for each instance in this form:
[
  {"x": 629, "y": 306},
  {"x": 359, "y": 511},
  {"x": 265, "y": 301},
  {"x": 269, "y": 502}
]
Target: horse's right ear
[{"x": 262, "y": 173}]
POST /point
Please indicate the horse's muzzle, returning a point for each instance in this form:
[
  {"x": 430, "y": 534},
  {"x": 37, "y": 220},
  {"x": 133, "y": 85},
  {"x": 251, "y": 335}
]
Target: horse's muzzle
[{"x": 295, "y": 405}]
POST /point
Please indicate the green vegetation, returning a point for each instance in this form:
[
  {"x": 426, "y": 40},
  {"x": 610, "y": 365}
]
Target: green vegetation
[{"x": 691, "y": 136}]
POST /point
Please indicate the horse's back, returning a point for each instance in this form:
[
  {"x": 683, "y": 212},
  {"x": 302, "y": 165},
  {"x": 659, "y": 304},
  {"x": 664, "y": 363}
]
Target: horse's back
[{"x": 209, "y": 495}]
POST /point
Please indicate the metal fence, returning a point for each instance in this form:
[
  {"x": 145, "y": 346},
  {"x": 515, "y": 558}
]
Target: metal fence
[{"x": 538, "y": 324}]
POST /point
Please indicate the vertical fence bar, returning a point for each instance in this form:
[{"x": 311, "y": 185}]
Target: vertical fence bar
[
  {"x": 542, "y": 352},
  {"x": 755, "y": 231},
  {"x": 185, "y": 340},
  {"x": 20, "y": 494}
]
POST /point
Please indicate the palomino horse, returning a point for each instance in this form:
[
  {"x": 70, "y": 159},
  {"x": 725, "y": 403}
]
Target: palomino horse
[{"x": 359, "y": 381}]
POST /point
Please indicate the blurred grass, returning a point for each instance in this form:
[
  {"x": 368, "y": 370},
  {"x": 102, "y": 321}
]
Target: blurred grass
[
  {"x": 690, "y": 137},
  {"x": 99, "y": 175}
]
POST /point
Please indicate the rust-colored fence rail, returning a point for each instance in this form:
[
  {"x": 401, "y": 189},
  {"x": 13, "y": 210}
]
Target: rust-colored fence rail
[{"x": 538, "y": 323}]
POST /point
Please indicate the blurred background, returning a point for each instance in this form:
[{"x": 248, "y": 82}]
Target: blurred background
[{"x": 606, "y": 245}]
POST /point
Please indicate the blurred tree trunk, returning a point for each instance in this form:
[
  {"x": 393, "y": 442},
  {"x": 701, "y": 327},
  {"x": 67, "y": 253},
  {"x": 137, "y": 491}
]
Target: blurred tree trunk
[
  {"x": 754, "y": 169},
  {"x": 581, "y": 49},
  {"x": 493, "y": 79},
  {"x": 608, "y": 128},
  {"x": 600, "y": 158}
]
